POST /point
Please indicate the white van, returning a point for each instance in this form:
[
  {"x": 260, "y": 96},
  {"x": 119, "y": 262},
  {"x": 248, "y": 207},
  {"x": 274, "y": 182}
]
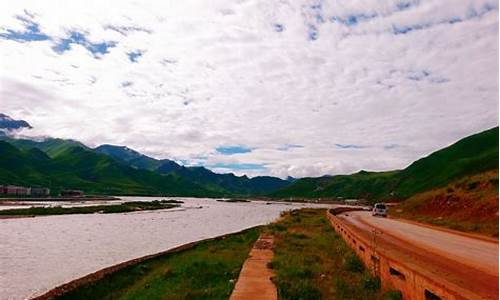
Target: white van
[{"x": 379, "y": 209}]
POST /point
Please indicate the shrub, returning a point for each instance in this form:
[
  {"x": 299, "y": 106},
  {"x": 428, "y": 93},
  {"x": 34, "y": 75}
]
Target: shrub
[
  {"x": 393, "y": 295},
  {"x": 354, "y": 264},
  {"x": 371, "y": 283},
  {"x": 342, "y": 289},
  {"x": 302, "y": 291}
]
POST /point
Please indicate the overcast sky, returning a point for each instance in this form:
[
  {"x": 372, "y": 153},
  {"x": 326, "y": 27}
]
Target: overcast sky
[{"x": 299, "y": 88}]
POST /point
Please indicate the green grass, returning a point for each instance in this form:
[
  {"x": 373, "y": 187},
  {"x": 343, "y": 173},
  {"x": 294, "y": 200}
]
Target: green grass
[
  {"x": 81, "y": 168},
  {"x": 313, "y": 262},
  {"x": 106, "y": 209},
  {"x": 207, "y": 271},
  {"x": 469, "y": 204},
  {"x": 73, "y": 166}
]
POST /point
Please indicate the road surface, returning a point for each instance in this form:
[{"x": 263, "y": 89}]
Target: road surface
[{"x": 463, "y": 260}]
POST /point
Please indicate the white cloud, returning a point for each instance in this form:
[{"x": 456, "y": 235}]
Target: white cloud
[{"x": 218, "y": 73}]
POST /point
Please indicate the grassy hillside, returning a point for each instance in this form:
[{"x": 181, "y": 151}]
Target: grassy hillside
[
  {"x": 119, "y": 170},
  {"x": 360, "y": 185},
  {"x": 468, "y": 204},
  {"x": 230, "y": 184},
  {"x": 224, "y": 184},
  {"x": 80, "y": 168},
  {"x": 469, "y": 156},
  {"x": 51, "y": 146},
  {"x": 133, "y": 158},
  {"x": 76, "y": 167}
]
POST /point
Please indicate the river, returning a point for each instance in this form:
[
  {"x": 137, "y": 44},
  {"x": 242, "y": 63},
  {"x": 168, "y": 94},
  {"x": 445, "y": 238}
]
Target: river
[{"x": 40, "y": 253}]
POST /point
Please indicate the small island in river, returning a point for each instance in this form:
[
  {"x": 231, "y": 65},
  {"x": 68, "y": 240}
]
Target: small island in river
[{"x": 105, "y": 209}]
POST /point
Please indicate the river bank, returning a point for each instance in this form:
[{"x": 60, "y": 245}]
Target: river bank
[
  {"x": 210, "y": 269},
  {"x": 104, "y": 209},
  {"x": 86, "y": 198},
  {"x": 41, "y": 253},
  {"x": 204, "y": 269}
]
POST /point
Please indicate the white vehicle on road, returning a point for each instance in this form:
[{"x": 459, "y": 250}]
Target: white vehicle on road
[{"x": 379, "y": 209}]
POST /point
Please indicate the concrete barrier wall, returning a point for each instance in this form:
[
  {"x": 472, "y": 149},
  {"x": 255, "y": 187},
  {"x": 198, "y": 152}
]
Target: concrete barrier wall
[{"x": 395, "y": 274}]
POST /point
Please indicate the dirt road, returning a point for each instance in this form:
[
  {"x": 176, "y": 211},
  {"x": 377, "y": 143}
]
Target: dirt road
[{"x": 463, "y": 261}]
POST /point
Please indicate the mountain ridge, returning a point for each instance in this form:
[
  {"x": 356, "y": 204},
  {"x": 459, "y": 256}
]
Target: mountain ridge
[
  {"x": 120, "y": 166},
  {"x": 468, "y": 156}
]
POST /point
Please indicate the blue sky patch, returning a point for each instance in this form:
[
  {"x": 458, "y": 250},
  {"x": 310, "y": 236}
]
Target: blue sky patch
[
  {"x": 230, "y": 150},
  {"x": 353, "y": 20},
  {"x": 30, "y": 34},
  {"x": 134, "y": 55},
  {"x": 79, "y": 38},
  {"x": 472, "y": 13},
  {"x": 33, "y": 33}
]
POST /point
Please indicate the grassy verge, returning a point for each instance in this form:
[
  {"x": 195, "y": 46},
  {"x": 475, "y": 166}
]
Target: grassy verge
[
  {"x": 207, "y": 271},
  {"x": 106, "y": 209},
  {"x": 313, "y": 262},
  {"x": 469, "y": 204}
]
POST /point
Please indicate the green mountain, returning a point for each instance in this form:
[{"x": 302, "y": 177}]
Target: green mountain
[
  {"x": 114, "y": 169},
  {"x": 225, "y": 184},
  {"x": 229, "y": 183},
  {"x": 109, "y": 169},
  {"x": 469, "y": 156},
  {"x": 51, "y": 146},
  {"x": 78, "y": 167},
  {"x": 81, "y": 168},
  {"x": 135, "y": 159}
]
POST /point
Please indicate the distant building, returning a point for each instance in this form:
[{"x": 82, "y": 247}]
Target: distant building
[
  {"x": 71, "y": 193},
  {"x": 40, "y": 192},
  {"x": 15, "y": 190}
]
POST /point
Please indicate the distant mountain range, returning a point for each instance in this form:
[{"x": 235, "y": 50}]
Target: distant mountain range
[
  {"x": 219, "y": 183},
  {"x": 119, "y": 170},
  {"x": 110, "y": 169}
]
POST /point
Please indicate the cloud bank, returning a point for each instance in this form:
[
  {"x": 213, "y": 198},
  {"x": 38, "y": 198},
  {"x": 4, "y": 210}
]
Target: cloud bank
[{"x": 284, "y": 88}]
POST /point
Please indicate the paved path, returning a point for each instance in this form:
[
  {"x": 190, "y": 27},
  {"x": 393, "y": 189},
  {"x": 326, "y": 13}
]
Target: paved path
[{"x": 254, "y": 281}]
